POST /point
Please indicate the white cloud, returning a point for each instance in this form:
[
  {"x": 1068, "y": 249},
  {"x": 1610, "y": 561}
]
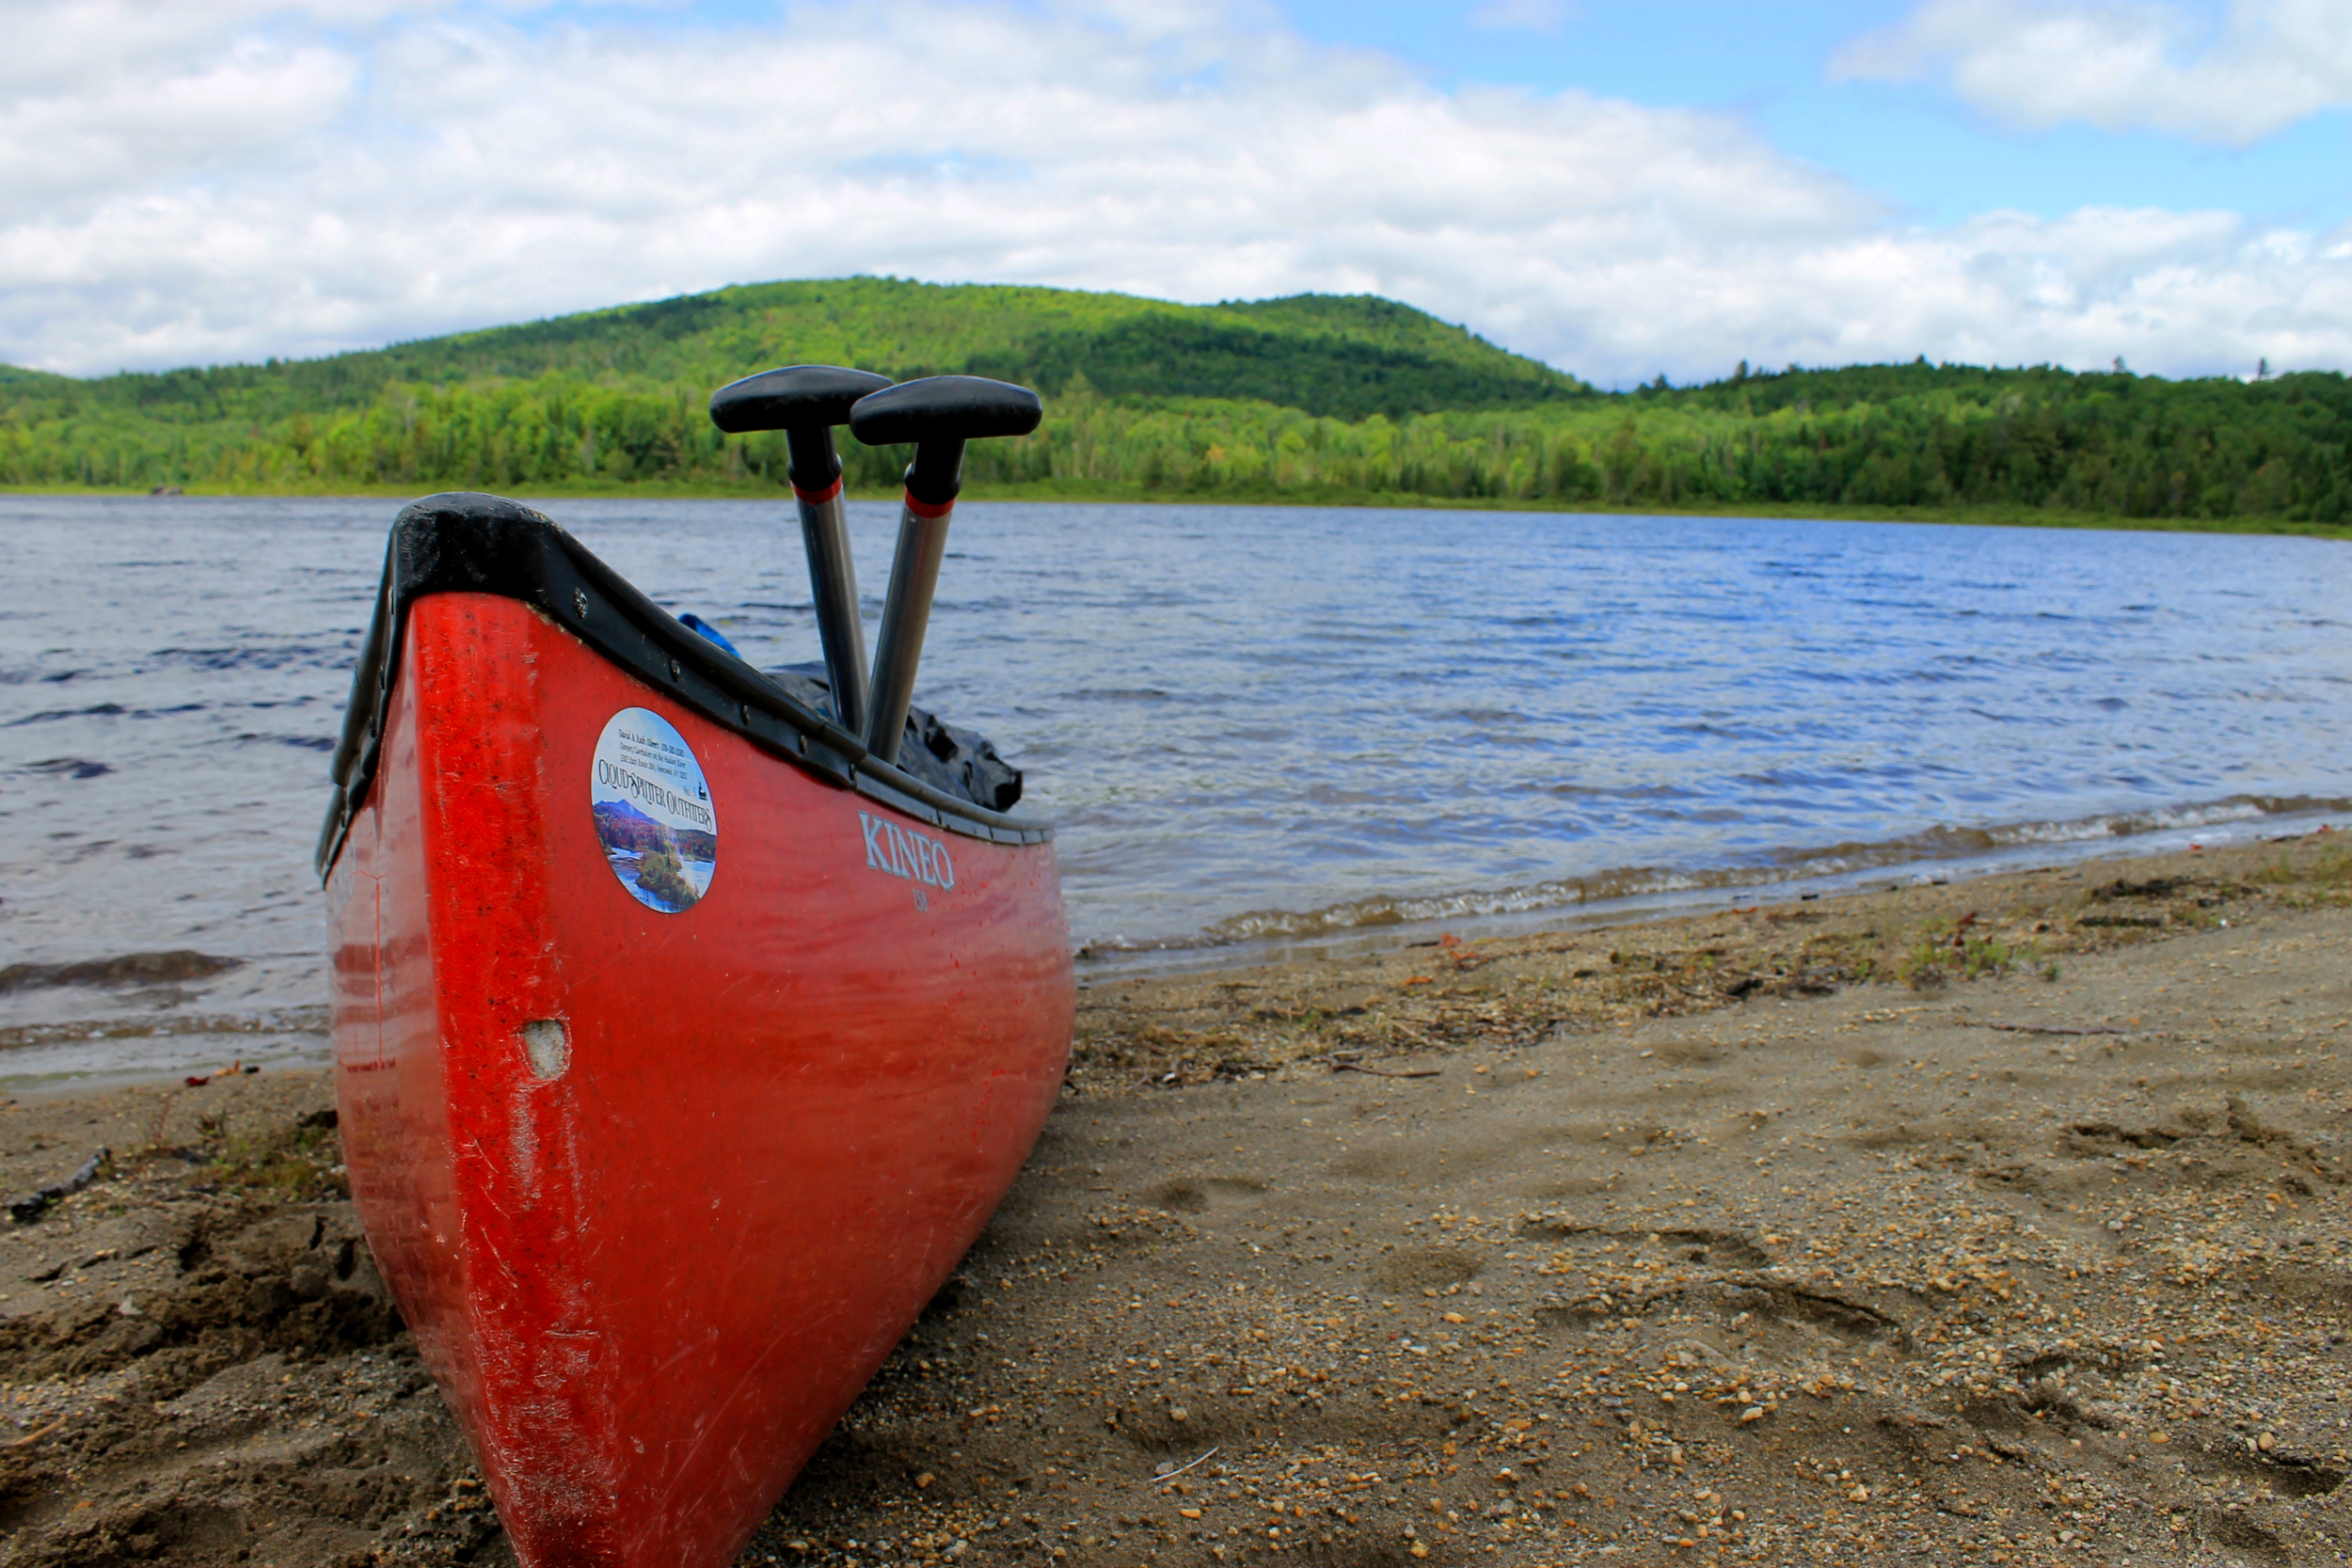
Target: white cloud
[
  {"x": 324, "y": 179},
  {"x": 2123, "y": 65},
  {"x": 60, "y": 149}
]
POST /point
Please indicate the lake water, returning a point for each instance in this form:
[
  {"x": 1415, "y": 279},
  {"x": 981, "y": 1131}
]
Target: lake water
[{"x": 1252, "y": 725}]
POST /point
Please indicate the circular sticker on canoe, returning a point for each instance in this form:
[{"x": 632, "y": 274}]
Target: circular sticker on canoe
[{"x": 654, "y": 812}]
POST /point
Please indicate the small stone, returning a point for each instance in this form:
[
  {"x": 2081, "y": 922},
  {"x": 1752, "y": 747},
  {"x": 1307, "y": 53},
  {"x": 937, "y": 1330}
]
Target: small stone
[
  {"x": 1752, "y": 1413},
  {"x": 923, "y": 1479}
]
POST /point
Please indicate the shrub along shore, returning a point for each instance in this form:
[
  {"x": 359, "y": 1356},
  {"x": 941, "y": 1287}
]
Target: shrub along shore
[{"x": 1080, "y": 493}]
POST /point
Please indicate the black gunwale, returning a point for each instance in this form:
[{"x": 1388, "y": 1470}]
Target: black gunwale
[{"x": 465, "y": 542}]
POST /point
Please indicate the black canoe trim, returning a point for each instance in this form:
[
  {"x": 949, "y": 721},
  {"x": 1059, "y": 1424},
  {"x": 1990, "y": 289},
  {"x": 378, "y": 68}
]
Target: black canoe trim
[{"x": 462, "y": 542}]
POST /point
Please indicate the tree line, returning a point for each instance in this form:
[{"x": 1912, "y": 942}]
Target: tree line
[{"x": 1891, "y": 436}]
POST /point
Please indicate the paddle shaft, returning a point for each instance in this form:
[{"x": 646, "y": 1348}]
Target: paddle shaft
[
  {"x": 932, "y": 481},
  {"x": 906, "y": 614},
  {"x": 832, "y": 574}
]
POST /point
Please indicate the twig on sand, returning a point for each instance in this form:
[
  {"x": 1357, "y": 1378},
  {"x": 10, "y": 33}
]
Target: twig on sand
[
  {"x": 1171, "y": 1474},
  {"x": 1378, "y": 1072},
  {"x": 35, "y": 1436},
  {"x": 2048, "y": 1029},
  {"x": 26, "y": 1210}
]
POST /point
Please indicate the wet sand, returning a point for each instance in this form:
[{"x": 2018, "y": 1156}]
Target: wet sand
[{"x": 1996, "y": 1222}]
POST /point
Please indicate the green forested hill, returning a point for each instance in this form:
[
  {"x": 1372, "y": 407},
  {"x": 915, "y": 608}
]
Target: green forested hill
[
  {"x": 1310, "y": 398},
  {"x": 15, "y": 377},
  {"x": 1346, "y": 358}
]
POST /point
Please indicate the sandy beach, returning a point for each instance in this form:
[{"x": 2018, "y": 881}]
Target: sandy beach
[{"x": 2000, "y": 1222}]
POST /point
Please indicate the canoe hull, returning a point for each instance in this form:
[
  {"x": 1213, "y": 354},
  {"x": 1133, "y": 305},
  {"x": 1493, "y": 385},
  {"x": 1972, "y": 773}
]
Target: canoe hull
[{"x": 658, "y": 1191}]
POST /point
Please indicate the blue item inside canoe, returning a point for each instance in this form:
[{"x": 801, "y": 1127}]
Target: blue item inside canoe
[{"x": 696, "y": 623}]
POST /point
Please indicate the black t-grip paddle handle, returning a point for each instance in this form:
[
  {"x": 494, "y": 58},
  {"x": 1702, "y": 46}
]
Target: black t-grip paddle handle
[
  {"x": 939, "y": 415},
  {"x": 805, "y": 402}
]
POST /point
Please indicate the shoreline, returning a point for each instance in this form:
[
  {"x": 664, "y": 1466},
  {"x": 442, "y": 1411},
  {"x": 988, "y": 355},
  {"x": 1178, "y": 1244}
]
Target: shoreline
[
  {"x": 1670, "y": 895},
  {"x": 297, "y": 1040},
  {"x": 1094, "y": 494},
  {"x": 2001, "y": 1221}
]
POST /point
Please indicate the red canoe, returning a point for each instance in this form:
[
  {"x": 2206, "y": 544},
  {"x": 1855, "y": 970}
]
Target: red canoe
[{"x": 682, "y": 1047}]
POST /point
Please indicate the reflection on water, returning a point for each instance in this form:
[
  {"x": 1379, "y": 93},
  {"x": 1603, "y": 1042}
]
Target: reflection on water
[{"x": 1249, "y": 722}]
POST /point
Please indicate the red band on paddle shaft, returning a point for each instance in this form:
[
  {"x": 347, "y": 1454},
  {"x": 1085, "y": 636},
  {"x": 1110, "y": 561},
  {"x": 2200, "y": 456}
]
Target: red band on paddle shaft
[
  {"x": 929, "y": 509},
  {"x": 816, "y": 497}
]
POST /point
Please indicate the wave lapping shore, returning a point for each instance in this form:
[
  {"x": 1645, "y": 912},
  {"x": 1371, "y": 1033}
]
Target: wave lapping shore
[
  {"x": 1998, "y": 1222},
  {"x": 1935, "y": 854}
]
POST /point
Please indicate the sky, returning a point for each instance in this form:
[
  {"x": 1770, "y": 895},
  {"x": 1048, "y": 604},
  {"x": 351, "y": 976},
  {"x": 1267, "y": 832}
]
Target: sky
[{"x": 1621, "y": 189}]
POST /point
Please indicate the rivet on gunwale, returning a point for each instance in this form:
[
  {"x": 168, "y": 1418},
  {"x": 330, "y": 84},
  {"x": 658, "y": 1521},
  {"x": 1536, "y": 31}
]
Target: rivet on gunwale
[
  {"x": 580, "y": 602},
  {"x": 673, "y": 669}
]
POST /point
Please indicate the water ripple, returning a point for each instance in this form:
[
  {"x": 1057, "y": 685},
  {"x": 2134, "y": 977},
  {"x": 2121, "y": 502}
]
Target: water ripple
[{"x": 1249, "y": 722}]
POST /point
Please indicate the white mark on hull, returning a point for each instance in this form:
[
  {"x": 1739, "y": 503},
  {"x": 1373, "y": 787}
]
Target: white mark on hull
[{"x": 548, "y": 1045}]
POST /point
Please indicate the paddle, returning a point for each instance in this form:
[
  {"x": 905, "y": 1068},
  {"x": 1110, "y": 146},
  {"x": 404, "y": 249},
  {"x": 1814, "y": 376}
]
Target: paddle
[
  {"x": 938, "y": 414},
  {"x": 805, "y": 402}
]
